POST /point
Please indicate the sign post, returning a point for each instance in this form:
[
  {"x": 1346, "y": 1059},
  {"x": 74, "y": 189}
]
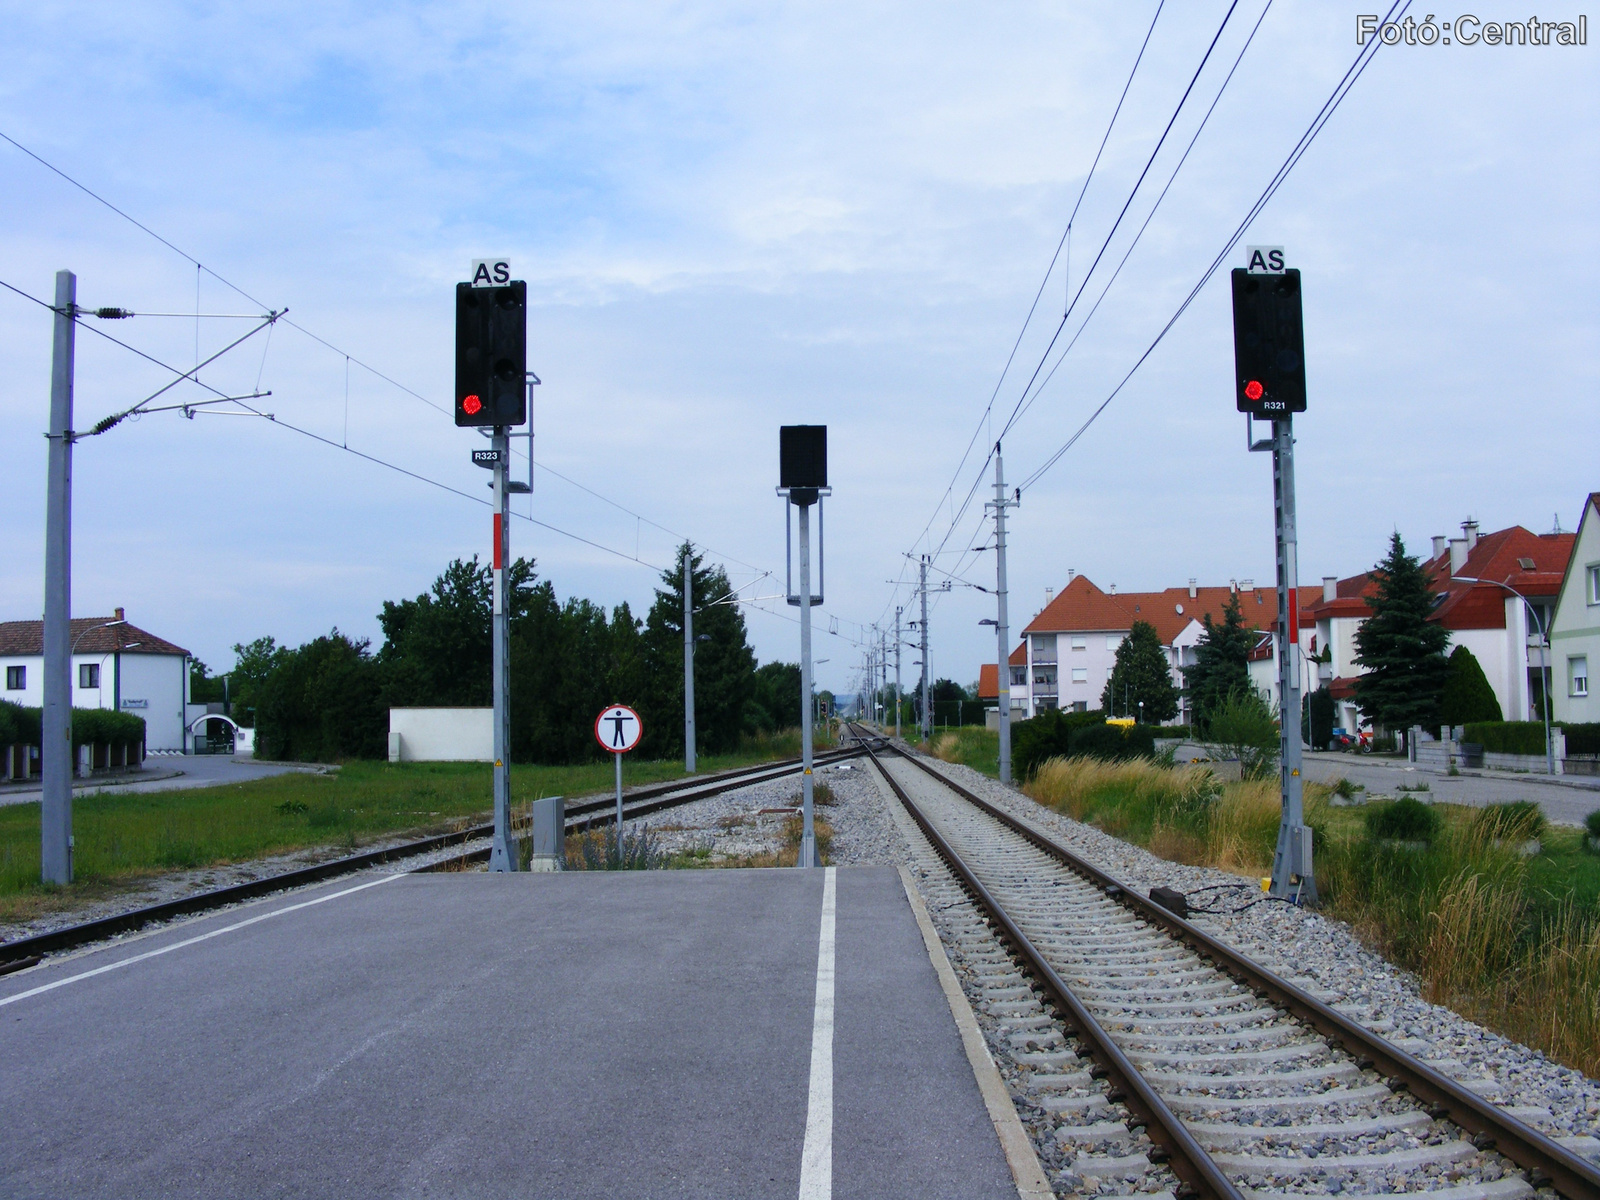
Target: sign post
[
  {"x": 1270, "y": 382},
  {"x": 618, "y": 730}
]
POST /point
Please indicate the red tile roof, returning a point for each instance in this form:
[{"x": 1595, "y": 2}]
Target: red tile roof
[
  {"x": 26, "y": 638},
  {"x": 1081, "y": 607},
  {"x": 1078, "y": 607},
  {"x": 988, "y": 682},
  {"x": 1496, "y": 556}
]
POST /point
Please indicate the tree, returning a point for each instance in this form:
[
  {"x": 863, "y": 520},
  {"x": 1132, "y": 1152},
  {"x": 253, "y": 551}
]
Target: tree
[
  {"x": 1319, "y": 718},
  {"x": 1243, "y": 727},
  {"x": 1141, "y": 676},
  {"x": 1402, "y": 651},
  {"x": 321, "y": 703},
  {"x": 1467, "y": 695},
  {"x": 774, "y": 698},
  {"x": 1221, "y": 657},
  {"x": 253, "y": 663},
  {"x": 724, "y": 664}
]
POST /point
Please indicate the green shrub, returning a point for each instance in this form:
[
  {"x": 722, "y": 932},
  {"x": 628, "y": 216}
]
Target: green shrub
[
  {"x": 1319, "y": 718},
  {"x": 1467, "y": 697},
  {"x": 19, "y": 725},
  {"x": 1171, "y": 731},
  {"x": 1049, "y": 735},
  {"x": 1583, "y": 738},
  {"x": 1517, "y": 821},
  {"x": 104, "y": 726},
  {"x": 1113, "y": 743},
  {"x": 1406, "y": 820},
  {"x": 1243, "y": 727},
  {"x": 1592, "y": 823},
  {"x": 1507, "y": 737}
]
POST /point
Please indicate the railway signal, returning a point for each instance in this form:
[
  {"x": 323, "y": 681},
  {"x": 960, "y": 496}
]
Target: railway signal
[
  {"x": 491, "y": 353},
  {"x": 1270, "y": 382},
  {"x": 803, "y": 481}
]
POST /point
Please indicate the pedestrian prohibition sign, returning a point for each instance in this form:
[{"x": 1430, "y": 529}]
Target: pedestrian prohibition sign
[{"x": 618, "y": 729}]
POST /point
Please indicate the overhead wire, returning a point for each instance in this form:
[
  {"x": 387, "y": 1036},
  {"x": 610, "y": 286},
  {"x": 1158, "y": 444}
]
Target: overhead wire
[{"x": 1329, "y": 106}]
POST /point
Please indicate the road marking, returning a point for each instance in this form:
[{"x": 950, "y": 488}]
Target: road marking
[
  {"x": 816, "y": 1156},
  {"x": 277, "y": 912}
]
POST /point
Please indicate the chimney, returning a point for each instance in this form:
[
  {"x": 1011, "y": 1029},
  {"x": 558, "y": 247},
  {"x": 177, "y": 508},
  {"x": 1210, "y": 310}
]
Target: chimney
[
  {"x": 1049, "y": 595},
  {"x": 1247, "y": 585},
  {"x": 1113, "y": 589},
  {"x": 1194, "y": 591},
  {"x": 1440, "y": 545},
  {"x": 1233, "y": 585},
  {"x": 118, "y": 614},
  {"x": 1470, "y": 528},
  {"x": 1458, "y": 554},
  {"x": 1071, "y": 575},
  {"x": 1330, "y": 588}
]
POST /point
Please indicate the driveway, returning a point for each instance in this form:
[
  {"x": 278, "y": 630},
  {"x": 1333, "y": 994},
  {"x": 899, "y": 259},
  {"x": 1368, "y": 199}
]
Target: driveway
[
  {"x": 1565, "y": 801},
  {"x": 163, "y": 773}
]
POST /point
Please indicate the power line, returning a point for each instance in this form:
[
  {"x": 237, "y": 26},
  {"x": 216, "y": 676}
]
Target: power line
[{"x": 1342, "y": 89}]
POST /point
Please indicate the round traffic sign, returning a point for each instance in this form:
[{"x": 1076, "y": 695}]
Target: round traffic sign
[{"x": 618, "y": 729}]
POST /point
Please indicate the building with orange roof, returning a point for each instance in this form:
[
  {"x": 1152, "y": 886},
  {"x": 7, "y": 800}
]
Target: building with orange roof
[{"x": 1575, "y": 628}]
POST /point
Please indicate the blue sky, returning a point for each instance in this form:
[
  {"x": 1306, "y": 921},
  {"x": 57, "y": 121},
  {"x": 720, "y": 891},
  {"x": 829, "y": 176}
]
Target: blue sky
[{"x": 733, "y": 217}]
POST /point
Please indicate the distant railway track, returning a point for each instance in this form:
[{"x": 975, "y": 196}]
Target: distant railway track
[
  {"x": 640, "y": 802},
  {"x": 1233, "y": 1073}
]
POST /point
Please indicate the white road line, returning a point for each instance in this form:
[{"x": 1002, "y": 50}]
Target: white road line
[
  {"x": 816, "y": 1157},
  {"x": 277, "y": 912}
]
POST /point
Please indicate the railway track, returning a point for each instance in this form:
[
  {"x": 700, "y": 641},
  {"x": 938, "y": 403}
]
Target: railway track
[
  {"x": 1167, "y": 1061},
  {"x": 640, "y": 802}
]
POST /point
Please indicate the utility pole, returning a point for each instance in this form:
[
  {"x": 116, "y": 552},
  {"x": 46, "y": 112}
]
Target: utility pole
[
  {"x": 897, "y": 699},
  {"x": 502, "y": 853},
  {"x": 1291, "y": 864},
  {"x": 926, "y": 723},
  {"x": 55, "y": 764},
  {"x": 688, "y": 658},
  {"x": 883, "y": 670},
  {"x": 1002, "y": 627}
]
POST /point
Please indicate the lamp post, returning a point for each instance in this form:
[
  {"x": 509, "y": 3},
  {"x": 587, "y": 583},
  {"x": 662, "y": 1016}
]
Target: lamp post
[{"x": 1544, "y": 665}]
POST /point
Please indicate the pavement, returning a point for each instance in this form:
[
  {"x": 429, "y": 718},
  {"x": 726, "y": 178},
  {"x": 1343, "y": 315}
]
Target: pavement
[
  {"x": 165, "y": 773},
  {"x": 647, "y": 1034},
  {"x": 1565, "y": 800}
]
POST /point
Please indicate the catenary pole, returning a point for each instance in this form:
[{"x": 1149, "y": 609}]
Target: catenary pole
[
  {"x": 926, "y": 723},
  {"x": 55, "y": 764},
  {"x": 688, "y": 658},
  {"x": 1292, "y": 874},
  {"x": 897, "y": 697},
  {"x": 1002, "y": 628},
  {"x": 502, "y": 853}
]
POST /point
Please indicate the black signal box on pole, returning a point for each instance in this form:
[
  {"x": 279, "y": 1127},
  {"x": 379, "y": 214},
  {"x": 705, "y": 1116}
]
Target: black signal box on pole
[
  {"x": 802, "y": 456},
  {"x": 1269, "y": 349},
  {"x": 492, "y": 354}
]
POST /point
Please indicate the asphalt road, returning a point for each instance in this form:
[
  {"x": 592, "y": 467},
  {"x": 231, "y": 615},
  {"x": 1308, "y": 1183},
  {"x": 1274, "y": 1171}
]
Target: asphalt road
[
  {"x": 1563, "y": 803},
  {"x": 164, "y": 773},
  {"x": 645, "y": 1034}
]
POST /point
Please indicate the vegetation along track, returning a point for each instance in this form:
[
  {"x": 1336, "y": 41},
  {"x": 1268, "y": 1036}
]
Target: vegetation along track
[
  {"x": 1147, "y": 1042},
  {"x": 26, "y": 952}
]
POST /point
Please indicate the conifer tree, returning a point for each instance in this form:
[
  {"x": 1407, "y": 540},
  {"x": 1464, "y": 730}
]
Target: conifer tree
[
  {"x": 1467, "y": 694},
  {"x": 1220, "y": 668},
  {"x": 1141, "y": 675},
  {"x": 1401, "y": 650}
]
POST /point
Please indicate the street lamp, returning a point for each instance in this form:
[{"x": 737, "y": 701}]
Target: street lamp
[{"x": 1544, "y": 666}]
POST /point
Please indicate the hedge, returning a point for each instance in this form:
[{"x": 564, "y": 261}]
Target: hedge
[
  {"x": 1172, "y": 731},
  {"x": 1583, "y": 738},
  {"x": 1507, "y": 737},
  {"x": 99, "y": 726}
]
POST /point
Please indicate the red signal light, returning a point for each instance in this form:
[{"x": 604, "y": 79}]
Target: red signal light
[
  {"x": 472, "y": 405},
  {"x": 1252, "y": 391}
]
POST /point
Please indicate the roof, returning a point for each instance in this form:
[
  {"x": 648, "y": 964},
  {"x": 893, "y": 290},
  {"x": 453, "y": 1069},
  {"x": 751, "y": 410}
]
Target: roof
[
  {"x": 1262, "y": 651},
  {"x": 90, "y": 635},
  {"x": 988, "y": 682},
  {"x": 1081, "y": 607},
  {"x": 1500, "y": 556}
]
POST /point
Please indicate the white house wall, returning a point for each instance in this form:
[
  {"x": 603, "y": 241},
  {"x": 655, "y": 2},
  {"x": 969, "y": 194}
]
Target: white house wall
[
  {"x": 1576, "y": 627},
  {"x": 157, "y": 679}
]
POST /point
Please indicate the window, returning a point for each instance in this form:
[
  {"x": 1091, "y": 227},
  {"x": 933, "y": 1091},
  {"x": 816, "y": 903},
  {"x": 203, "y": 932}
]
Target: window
[
  {"x": 1578, "y": 675},
  {"x": 1110, "y": 671},
  {"x": 88, "y": 675},
  {"x": 1080, "y": 675},
  {"x": 1080, "y": 643},
  {"x": 1113, "y": 641},
  {"x": 16, "y": 678},
  {"x": 1593, "y": 574},
  {"x": 1044, "y": 647}
]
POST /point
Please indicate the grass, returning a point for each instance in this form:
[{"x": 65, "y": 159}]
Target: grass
[
  {"x": 1508, "y": 938},
  {"x": 125, "y": 839},
  {"x": 970, "y": 745}
]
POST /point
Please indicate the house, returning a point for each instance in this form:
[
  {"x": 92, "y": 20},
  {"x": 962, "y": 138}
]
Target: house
[
  {"x": 1575, "y": 627},
  {"x": 114, "y": 665},
  {"x": 1488, "y": 617},
  {"x": 1069, "y": 649},
  {"x": 989, "y": 682}
]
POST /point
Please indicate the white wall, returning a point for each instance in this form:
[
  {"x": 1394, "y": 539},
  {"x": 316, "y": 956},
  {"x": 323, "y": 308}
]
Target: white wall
[
  {"x": 443, "y": 734},
  {"x": 156, "y": 679},
  {"x": 1576, "y": 628}
]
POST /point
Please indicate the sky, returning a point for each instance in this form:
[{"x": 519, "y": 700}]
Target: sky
[{"x": 733, "y": 217}]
